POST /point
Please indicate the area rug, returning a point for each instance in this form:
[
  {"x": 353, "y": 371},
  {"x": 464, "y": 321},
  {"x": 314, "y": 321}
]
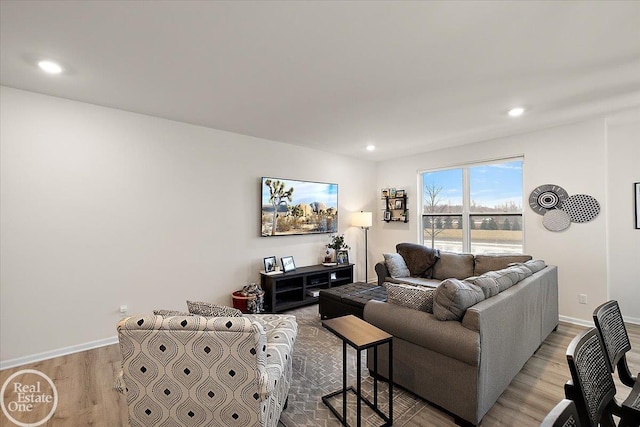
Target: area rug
[{"x": 317, "y": 371}]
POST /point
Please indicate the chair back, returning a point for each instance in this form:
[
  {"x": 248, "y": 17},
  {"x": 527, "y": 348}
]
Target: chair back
[
  {"x": 593, "y": 384},
  {"x": 608, "y": 319},
  {"x": 193, "y": 371},
  {"x": 564, "y": 414}
]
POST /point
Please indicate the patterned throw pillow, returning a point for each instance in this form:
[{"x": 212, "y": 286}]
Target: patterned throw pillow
[
  {"x": 396, "y": 265},
  {"x": 415, "y": 297},
  {"x": 170, "y": 313},
  {"x": 212, "y": 310}
]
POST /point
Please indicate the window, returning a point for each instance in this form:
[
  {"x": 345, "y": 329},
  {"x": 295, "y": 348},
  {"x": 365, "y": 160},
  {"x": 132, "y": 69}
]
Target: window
[{"x": 475, "y": 208}]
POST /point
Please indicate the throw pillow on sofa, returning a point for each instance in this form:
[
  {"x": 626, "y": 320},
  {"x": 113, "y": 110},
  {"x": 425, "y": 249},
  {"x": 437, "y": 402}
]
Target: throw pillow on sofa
[
  {"x": 453, "y": 297},
  {"x": 415, "y": 297},
  {"x": 419, "y": 258},
  {"x": 170, "y": 313},
  {"x": 212, "y": 310},
  {"x": 396, "y": 265}
]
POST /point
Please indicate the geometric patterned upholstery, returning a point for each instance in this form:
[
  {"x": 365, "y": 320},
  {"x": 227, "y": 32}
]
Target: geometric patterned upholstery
[
  {"x": 592, "y": 379},
  {"x": 213, "y": 371},
  {"x": 610, "y": 324},
  {"x": 564, "y": 414}
]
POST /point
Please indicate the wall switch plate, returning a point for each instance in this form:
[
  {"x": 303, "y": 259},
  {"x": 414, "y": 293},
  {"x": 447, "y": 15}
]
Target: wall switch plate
[
  {"x": 582, "y": 298},
  {"x": 124, "y": 309}
]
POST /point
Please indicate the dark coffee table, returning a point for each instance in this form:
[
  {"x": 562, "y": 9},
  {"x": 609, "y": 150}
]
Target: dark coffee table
[{"x": 349, "y": 299}]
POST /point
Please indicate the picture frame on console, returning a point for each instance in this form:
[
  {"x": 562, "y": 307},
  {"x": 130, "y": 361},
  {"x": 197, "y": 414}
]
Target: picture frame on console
[
  {"x": 342, "y": 257},
  {"x": 287, "y": 264},
  {"x": 270, "y": 264}
]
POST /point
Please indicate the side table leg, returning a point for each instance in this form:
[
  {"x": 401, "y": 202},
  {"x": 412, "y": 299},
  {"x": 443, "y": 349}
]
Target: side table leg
[
  {"x": 344, "y": 381},
  {"x": 359, "y": 397},
  {"x": 391, "y": 382},
  {"x": 375, "y": 376}
]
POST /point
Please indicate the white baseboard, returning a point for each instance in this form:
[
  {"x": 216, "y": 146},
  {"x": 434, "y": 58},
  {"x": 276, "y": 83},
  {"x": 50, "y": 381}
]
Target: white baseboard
[
  {"x": 589, "y": 323},
  {"x": 12, "y": 363}
]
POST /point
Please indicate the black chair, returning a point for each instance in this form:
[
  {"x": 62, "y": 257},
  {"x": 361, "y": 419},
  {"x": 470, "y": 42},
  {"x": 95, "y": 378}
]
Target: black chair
[
  {"x": 564, "y": 414},
  {"x": 610, "y": 324},
  {"x": 592, "y": 387}
]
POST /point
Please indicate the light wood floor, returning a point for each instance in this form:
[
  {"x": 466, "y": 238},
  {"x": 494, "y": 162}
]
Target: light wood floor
[{"x": 85, "y": 386}]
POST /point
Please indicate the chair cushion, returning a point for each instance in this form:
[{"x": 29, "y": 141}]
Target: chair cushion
[
  {"x": 396, "y": 265},
  {"x": 453, "y": 297}
]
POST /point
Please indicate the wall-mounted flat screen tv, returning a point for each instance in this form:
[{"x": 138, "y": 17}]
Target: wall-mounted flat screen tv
[{"x": 298, "y": 207}]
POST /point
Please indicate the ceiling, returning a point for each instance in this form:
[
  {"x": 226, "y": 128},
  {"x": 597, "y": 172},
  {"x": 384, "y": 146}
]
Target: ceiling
[{"x": 407, "y": 77}]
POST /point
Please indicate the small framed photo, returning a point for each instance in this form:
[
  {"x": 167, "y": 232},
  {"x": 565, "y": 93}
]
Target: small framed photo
[
  {"x": 385, "y": 193},
  {"x": 287, "y": 263},
  {"x": 387, "y": 215},
  {"x": 270, "y": 264},
  {"x": 399, "y": 204},
  {"x": 392, "y": 192},
  {"x": 637, "y": 192},
  {"x": 400, "y": 193},
  {"x": 342, "y": 257}
]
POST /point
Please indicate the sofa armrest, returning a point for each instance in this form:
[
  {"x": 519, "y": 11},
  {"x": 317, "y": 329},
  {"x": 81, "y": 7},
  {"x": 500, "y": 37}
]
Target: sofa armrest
[
  {"x": 382, "y": 271},
  {"x": 449, "y": 338}
]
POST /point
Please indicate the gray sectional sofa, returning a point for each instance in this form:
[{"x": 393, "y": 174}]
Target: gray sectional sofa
[{"x": 464, "y": 365}]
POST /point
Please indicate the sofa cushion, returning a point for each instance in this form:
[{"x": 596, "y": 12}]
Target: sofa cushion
[
  {"x": 452, "y": 265},
  {"x": 489, "y": 285},
  {"x": 415, "y": 297},
  {"x": 535, "y": 265},
  {"x": 212, "y": 310},
  {"x": 396, "y": 265},
  {"x": 419, "y": 258},
  {"x": 486, "y": 263},
  {"x": 415, "y": 281},
  {"x": 522, "y": 271},
  {"x": 505, "y": 278},
  {"x": 453, "y": 297}
]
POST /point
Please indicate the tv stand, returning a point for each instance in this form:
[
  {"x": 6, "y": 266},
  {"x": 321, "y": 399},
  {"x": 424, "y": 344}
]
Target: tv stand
[{"x": 301, "y": 286}]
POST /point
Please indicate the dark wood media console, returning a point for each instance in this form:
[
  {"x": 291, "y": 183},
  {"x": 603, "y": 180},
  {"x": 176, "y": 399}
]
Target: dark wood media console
[{"x": 297, "y": 288}]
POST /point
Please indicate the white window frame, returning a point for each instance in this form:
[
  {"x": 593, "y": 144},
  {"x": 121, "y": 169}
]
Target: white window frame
[{"x": 466, "y": 200}]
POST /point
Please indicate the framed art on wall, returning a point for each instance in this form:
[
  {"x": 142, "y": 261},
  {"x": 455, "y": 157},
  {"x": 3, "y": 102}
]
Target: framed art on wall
[{"x": 636, "y": 189}]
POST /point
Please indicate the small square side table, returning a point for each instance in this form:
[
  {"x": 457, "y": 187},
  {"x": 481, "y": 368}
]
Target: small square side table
[{"x": 361, "y": 336}]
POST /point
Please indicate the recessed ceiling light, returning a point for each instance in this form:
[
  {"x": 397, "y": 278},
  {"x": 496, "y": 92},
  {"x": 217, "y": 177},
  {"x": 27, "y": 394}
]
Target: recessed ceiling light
[
  {"x": 371, "y": 147},
  {"x": 516, "y": 112},
  {"x": 50, "y": 67}
]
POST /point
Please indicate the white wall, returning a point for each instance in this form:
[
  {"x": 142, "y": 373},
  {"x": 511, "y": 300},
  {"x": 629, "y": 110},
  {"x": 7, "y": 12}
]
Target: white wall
[
  {"x": 102, "y": 207},
  {"x": 623, "y": 164},
  {"x": 572, "y": 156}
]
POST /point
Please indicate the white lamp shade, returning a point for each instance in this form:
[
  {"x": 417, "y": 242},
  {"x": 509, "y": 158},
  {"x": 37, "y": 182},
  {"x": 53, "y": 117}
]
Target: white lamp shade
[{"x": 362, "y": 219}]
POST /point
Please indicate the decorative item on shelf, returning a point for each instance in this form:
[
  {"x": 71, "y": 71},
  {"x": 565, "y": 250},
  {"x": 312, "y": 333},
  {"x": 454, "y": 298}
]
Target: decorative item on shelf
[
  {"x": 364, "y": 220},
  {"x": 337, "y": 243},
  {"x": 287, "y": 264},
  {"x": 270, "y": 264},
  {"x": 342, "y": 257},
  {"x": 250, "y": 299},
  {"x": 400, "y": 193}
]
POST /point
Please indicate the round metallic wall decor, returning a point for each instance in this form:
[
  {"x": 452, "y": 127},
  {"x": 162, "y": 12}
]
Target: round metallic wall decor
[
  {"x": 556, "y": 220},
  {"x": 581, "y": 208},
  {"x": 546, "y": 197}
]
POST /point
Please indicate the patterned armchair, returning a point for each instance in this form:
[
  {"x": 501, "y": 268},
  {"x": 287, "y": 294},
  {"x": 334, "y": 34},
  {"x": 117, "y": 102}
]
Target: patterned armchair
[{"x": 206, "y": 371}]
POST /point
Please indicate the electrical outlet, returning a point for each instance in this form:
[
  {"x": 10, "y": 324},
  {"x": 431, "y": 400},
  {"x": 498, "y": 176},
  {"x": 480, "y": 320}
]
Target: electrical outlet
[
  {"x": 123, "y": 310},
  {"x": 582, "y": 298}
]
